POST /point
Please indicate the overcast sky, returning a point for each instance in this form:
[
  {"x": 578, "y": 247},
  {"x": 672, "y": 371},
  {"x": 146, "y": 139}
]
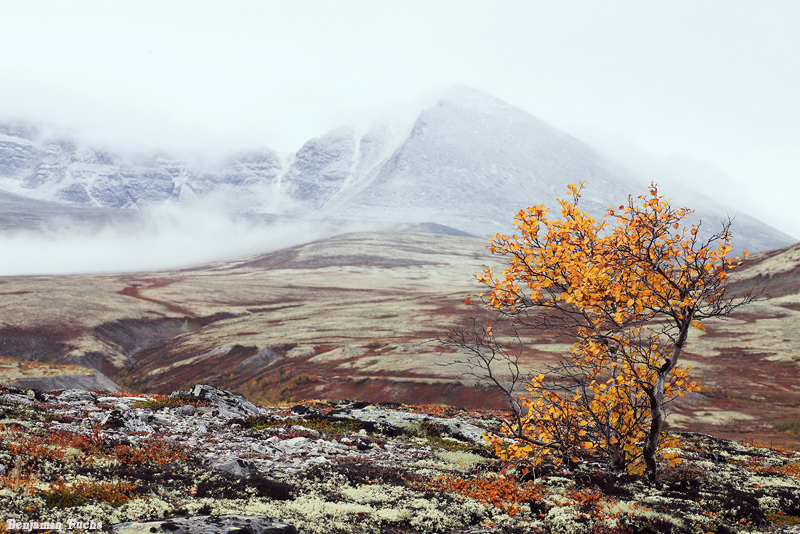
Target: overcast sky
[{"x": 707, "y": 90}]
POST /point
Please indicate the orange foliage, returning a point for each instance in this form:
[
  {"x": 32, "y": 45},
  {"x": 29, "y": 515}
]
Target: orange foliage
[
  {"x": 782, "y": 450},
  {"x": 502, "y": 493},
  {"x": 150, "y": 451},
  {"x": 791, "y": 469},
  {"x": 69, "y": 447},
  {"x": 628, "y": 295},
  {"x": 62, "y": 495},
  {"x": 593, "y": 504}
]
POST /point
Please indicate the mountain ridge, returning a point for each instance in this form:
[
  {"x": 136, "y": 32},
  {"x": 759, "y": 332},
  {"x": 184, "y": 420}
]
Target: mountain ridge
[{"x": 471, "y": 163}]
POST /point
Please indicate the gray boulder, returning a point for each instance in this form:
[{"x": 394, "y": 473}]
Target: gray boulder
[
  {"x": 78, "y": 396},
  {"x": 455, "y": 428},
  {"x": 186, "y": 410},
  {"x": 237, "y": 467},
  {"x": 230, "y": 404},
  {"x": 125, "y": 420}
]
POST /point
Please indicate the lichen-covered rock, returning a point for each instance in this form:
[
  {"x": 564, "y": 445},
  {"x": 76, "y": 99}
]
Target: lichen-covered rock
[
  {"x": 78, "y": 396},
  {"x": 208, "y": 524},
  {"x": 230, "y": 404},
  {"x": 237, "y": 467},
  {"x": 185, "y": 410},
  {"x": 457, "y": 429},
  {"x": 125, "y": 420},
  {"x": 16, "y": 398}
]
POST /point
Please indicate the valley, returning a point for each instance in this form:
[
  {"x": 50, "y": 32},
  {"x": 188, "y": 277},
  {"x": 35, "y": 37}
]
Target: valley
[{"x": 356, "y": 316}]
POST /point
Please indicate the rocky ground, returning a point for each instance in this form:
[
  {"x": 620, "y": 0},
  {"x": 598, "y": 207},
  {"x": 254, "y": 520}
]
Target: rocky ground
[{"x": 206, "y": 460}]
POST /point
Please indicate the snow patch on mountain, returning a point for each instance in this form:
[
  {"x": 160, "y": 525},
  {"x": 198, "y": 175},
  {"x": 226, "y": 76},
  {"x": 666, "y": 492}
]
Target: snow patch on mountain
[{"x": 473, "y": 161}]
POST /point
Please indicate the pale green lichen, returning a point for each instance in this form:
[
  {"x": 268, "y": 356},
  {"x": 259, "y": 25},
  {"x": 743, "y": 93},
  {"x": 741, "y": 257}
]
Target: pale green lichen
[
  {"x": 372, "y": 494},
  {"x": 564, "y": 519},
  {"x": 151, "y": 508},
  {"x": 451, "y": 461},
  {"x": 770, "y": 505}
]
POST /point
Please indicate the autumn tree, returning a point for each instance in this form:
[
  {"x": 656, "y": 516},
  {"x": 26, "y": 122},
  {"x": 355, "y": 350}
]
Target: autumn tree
[{"x": 626, "y": 289}]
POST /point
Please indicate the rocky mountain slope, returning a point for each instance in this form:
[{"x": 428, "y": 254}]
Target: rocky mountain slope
[
  {"x": 471, "y": 163},
  {"x": 208, "y": 461},
  {"x": 58, "y": 170},
  {"x": 46, "y": 376},
  {"x": 19, "y": 212}
]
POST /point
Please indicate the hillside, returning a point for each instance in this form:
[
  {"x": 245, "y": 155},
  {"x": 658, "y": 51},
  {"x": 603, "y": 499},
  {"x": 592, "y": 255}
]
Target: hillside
[{"x": 354, "y": 317}]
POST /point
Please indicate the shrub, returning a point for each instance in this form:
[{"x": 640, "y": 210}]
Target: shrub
[
  {"x": 326, "y": 426},
  {"x": 505, "y": 494},
  {"x": 790, "y": 428},
  {"x": 71, "y": 448},
  {"x": 61, "y": 495},
  {"x": 626, "y": 290},
  {"x": 784, "y": 520}
]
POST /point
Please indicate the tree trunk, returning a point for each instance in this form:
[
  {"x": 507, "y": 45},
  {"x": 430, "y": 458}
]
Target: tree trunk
[{"x": 656, "y": 396}]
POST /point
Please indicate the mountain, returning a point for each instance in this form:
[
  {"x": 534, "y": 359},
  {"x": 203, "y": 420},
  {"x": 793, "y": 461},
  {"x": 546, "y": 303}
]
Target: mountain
[
  {"x": 473, "y": 161},
  {"x": 470, "y": 163},
  {"x": 58, "y": 170}
]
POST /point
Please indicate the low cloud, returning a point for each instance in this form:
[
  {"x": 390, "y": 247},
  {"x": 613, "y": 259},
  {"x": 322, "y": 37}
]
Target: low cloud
[
  {"x": 166, "y": 237},
  {"x": 693, "y": 182}
]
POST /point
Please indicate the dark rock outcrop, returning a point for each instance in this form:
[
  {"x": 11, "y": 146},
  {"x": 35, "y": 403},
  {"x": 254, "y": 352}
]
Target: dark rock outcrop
[{"x": 208, "y": 524}]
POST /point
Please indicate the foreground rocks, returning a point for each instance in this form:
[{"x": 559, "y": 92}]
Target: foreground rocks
[
  {"x": 209, "y": 524},
  {"x": 206, "y": 460}
]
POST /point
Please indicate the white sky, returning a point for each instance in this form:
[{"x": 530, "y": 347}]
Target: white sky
[{"x": 705, "y": 89}]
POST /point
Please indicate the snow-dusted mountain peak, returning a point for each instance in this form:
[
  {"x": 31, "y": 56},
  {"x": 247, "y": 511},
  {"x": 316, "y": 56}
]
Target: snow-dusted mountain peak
[
  {"x": 471, "y": 162},
  {"x": 467, "y": 97}
]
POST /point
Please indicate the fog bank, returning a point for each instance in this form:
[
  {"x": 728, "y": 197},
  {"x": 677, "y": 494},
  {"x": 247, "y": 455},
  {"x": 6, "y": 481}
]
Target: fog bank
[{"x": 166, "y": 237}]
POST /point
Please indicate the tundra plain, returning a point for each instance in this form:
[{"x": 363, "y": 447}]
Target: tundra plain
[{"x": 356, "y": 316}]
